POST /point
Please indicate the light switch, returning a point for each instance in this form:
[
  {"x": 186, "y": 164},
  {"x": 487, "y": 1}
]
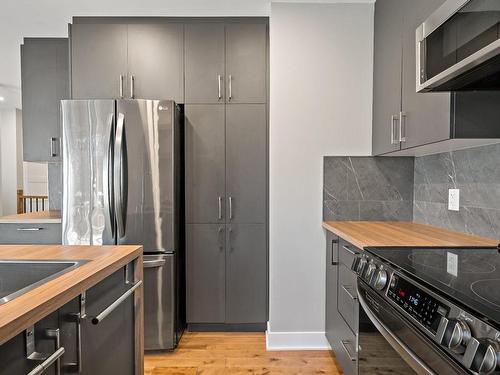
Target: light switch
[{"x": 453, "y": 199}]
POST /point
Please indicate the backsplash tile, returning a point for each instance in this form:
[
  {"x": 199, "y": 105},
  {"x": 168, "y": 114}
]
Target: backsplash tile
[
  {"x": 368, "y": 188},
  {"x": 476, "y": 173}
]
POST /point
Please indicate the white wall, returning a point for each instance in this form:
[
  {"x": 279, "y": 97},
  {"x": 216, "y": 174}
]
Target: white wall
[
  {"x": 321, "y": 104},
  {"x": 9, "y": 162}
]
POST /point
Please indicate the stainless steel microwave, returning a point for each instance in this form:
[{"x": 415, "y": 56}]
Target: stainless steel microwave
[{"x": 458, "y": 47}]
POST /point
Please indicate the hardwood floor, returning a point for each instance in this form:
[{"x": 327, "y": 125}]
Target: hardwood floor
[{"x": 236, "y": 353}]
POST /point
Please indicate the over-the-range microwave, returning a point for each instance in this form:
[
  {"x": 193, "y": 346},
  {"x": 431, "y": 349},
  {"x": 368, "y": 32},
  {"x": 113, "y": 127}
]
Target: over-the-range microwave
[{"x": 458, "y": 47}]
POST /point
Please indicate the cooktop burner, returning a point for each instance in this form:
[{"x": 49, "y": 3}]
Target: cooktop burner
[{"x": 470, "y": 276}]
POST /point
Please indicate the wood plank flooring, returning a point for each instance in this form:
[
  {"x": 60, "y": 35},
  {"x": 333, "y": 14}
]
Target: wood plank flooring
[{"x": 234, "y": 354}]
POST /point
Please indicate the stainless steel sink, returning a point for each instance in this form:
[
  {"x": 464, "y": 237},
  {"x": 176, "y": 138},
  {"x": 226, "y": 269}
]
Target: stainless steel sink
[{"x": 20, "y": 276}]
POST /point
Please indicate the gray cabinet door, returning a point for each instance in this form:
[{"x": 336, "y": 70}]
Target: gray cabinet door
[
  {"x": 246, "y": 163},
  {"x": 98, "y": 58},
  {"x": 45, "y": 81},
  {"x": 205, "y": 279},
  {"x": 204, "y": 63},
  {"x": 387, "y": 74},
  {"x": 427, "y": 115},
  {"x": 246, "y": 274},
  {"x": 246, "y": 63},
  {"x": 156, "y": 61},
  {"x": 331, "y": 313},
  {"x": 205, "y": 163}
]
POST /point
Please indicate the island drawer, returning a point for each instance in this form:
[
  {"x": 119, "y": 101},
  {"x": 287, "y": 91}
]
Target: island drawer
[{"x": 23, "y": 233}]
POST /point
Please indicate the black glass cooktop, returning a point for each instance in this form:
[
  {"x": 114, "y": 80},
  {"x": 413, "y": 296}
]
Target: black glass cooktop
[{"x": 470, "y": 276}]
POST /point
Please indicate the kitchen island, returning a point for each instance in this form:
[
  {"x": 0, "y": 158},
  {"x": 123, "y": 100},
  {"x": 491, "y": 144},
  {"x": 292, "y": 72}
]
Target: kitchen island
[{"x": 87, "y": 291}]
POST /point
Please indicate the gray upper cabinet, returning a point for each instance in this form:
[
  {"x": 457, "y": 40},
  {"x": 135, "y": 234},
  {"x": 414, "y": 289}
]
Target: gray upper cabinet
[
  {"x": 246, "y": 280},
  {"x": 246, "y": 148},
  {"x": 387, "y": 75},
  {"x": 246, "y": 63},
  {"x": 128, "y": 61},
  {"x": 155, "y": 61},
  {"x": 403, "y": 118},
  {"x": 45, "y": 81},
  {"x": 426, "y": 116},
  {"x": 204, "y": 63},
  {"x": 206, "y": 275},
  {"x": 98, "y": 60},
  {"x": 205, "y": 163}
]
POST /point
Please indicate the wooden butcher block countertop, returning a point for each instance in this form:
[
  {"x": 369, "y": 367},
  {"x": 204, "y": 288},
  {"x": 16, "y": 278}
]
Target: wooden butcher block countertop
[
  {"x": 402, "y": 234},
  {"x": 27, "y": 309},
  {"x": 33, "y": 217}
]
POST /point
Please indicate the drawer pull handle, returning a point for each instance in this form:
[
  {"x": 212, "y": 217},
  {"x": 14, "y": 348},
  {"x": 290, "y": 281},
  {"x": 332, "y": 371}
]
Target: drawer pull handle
[
  {"x": 351, "y": 296},
  {"x": 29, "y": 229},
  {"x": 40, "y": 369},
  {"x": 344, "y": 344},
  {"x": 346, "y": 248},
  {"x": 108, "y": 310}
]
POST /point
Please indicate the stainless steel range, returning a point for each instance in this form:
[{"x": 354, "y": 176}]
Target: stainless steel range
[{"x": 439, "y": 309}]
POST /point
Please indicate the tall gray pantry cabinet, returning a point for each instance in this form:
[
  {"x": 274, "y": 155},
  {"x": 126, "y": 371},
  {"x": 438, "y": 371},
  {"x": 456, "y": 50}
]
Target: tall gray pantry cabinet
[{"x": 226, "y": 174}]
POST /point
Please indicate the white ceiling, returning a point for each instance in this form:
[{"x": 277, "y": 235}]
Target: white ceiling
[{"x": 36, "y": 18}]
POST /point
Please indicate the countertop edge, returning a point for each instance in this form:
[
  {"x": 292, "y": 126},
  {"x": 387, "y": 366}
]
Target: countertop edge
[{"x": 35, "y": 314}]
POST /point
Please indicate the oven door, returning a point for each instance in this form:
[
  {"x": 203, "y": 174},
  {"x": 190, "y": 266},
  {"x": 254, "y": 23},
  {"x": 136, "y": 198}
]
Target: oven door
[
  {"x": 389, "y": 343},
  {"x": 458, "y": 47}
]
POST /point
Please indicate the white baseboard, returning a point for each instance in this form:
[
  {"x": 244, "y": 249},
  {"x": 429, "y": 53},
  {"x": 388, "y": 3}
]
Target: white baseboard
[{"x": 276, "y": 341}]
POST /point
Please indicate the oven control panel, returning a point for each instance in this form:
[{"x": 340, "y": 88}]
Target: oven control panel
[{"x": 427, "y": 310}]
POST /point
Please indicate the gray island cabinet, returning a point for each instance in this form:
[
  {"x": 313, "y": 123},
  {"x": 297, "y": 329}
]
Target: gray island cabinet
[{"x": 94, "y": 334}]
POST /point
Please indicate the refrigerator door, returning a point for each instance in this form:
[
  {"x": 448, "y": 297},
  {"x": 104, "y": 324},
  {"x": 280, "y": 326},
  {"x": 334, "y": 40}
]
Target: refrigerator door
[
  {"x": 159, "y": 302},
  {"x": 88, "y": 138},
  {"x": 146, "y": 174}
]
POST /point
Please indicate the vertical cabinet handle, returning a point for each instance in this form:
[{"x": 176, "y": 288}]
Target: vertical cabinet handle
[
  {"x": 121, "y": 86},
  {"x": 219, "y": 233},
  {"x": 132, "y": 88},
  {"x": 219, "y": 84},
  {"x": 230, "y": 94},
  {"x": 230, "y": 208},
  {"x": 54, "y": 149},
  {"x": 219, "y": 203},
  {"x": 394, "y": 123},
  {"x": 402, "y": 126}
]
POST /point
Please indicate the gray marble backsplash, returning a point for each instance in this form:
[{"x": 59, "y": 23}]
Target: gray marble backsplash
[
  {"x": 476, "y": 172},
  {"x": 368, "y": 188}
]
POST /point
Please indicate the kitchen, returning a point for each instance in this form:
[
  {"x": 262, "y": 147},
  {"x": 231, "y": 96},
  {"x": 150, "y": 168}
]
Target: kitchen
[{"x": 214, "y": 150}]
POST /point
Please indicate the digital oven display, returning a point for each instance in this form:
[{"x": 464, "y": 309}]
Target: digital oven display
[{"x": 421, "y": 306}]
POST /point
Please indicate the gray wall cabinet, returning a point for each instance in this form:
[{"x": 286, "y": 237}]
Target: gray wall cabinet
[
  {"x": 98, "y": 61},
  {"x": 206, "y": 263},
  {"x": 403, "y": 118},
  {"x": 205, "y": 163},
  {"x": 204, "y": 63},
  {"x": 226, "y": 63},
  {"x": 127, "y": 61},
  {"x": 246, "y": 63},
  {"x": 156, "y": 61},
  {"x": 246, "y": 148},
  {"x": 45, "y": 81},
  {"x": 246, "y": 274}
]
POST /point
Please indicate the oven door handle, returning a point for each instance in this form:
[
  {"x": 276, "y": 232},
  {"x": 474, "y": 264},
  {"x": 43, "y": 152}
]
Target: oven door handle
[{"x": 406, "y": 353}]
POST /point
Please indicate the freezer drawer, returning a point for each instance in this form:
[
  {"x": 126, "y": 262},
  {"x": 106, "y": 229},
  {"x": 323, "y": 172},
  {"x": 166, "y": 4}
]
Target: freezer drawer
[{"x": 159, "y": 302}]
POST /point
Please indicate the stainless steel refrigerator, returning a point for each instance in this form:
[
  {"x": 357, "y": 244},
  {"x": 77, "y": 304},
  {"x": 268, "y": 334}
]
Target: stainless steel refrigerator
[{"x": 122, "y": 185}]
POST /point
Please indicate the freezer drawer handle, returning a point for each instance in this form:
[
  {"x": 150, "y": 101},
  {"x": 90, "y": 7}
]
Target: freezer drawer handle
[
  {"x": 154, "y": 263},
  {"x": 108, "y": 310}
]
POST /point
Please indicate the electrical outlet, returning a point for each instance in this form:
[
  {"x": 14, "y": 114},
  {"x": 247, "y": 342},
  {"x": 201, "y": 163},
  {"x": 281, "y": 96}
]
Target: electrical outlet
[
  {"x": 453, "y": 199},
  {"x": 452, "y": 264}
]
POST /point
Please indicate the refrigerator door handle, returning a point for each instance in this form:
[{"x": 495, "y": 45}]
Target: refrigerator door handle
[
  {"x": 119, "y": 178},
  {"x": 108, "y": 169}
]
